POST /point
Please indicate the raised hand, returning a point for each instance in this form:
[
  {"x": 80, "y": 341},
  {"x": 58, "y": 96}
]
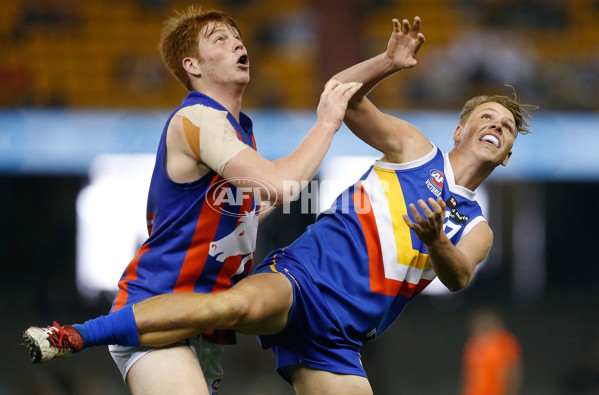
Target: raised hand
[
  {"x": 430, "y": 227},
  {"x": 404, "y": 43},
  {"x": 333, "y": 101}
]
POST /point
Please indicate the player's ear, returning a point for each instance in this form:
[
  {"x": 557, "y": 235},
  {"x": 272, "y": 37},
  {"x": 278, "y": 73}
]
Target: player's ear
[
  {"x": 457, "y": 134},
  {"x": 192, "y": 66},
  {"x": 504, "y": 163}
]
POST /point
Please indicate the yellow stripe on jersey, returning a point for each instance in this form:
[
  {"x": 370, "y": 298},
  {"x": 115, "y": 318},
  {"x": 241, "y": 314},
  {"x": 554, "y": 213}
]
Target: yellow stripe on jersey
[
  {"x": 406, "y": 255},
  {"x": 274, "y": 262}
]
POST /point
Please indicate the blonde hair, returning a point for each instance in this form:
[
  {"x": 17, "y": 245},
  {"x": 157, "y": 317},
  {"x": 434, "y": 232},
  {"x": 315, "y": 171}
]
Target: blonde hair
[
  {"x": 180, "y": 36},
  {"x": 520, "y": 111}
]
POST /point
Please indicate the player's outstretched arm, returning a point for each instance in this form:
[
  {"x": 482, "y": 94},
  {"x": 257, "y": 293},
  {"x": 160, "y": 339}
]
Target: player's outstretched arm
[
  {"x": 301, "y": 165},
  {"x": 454, "y": 265},
  {"x": 401, "y": 51},
  {"x": 390, "y": 135}
]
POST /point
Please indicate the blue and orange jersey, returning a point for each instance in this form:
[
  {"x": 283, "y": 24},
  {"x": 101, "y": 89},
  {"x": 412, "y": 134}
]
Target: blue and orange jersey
[
  {"x": 366, "y": 261},
  {"x": 202, "y": 234}
]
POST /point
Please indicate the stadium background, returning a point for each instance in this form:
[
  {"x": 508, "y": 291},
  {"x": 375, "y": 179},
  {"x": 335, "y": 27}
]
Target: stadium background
[{"x": 98, "y": 56}]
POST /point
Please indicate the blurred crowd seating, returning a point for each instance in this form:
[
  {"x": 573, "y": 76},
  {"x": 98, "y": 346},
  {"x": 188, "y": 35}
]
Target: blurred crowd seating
[{"x": 102, "y": 53}]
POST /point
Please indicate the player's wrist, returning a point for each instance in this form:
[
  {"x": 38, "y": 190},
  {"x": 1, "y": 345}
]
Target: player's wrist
[
  {"x": 440, "y": 243},
  {"x": 327, "y": 126}
]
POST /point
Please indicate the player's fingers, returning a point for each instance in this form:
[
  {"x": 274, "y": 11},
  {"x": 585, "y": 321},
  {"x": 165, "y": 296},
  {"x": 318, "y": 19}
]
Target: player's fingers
[
  {"x": 428, "y": 213},
  {"x": 350, "y": 88},
  {"x": 416, "y": 25},
  {"x": 434, "y": 205},
  {"x": 408, "y": 221},
  {"x": 396, "y": 25},
  {"x": 415, "y": 213},
  {"x": 441, "y": 203},
  {"x": 331, "y": 84},
  {"x": 419, "y": 42},
  {"x": 438, "y": 212},
  {"x": 405, "y": 24}
]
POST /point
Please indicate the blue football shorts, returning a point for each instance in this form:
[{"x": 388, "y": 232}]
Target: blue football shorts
[{"x": 312, "y": 335}]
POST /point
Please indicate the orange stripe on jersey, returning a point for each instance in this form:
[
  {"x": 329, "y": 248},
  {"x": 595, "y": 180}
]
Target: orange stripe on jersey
[
  {"x": 407, "y": 289},
  {"x": 223, "y": 280},
  {"x": 241, "y": 138},
  {"x": 238, "y": 134},
  {"x": 196, "y": 256},
  {"x": 422, "y": 284},
  {"x": 130, "y": 275},
  {"x": 378, "y": 282}
]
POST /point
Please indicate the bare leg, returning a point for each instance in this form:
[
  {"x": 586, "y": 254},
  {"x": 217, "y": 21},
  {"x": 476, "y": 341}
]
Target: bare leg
[
  {"x": 171, "y": 370},
  {"x": 258, "y": 304},
  {"x": 309, "y": 381}
]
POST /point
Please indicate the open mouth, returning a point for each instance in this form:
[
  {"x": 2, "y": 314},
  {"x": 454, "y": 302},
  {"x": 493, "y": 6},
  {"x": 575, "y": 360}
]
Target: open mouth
[
  {"x": 243, "y": 60},
  {"x": 489, "y": 138}
]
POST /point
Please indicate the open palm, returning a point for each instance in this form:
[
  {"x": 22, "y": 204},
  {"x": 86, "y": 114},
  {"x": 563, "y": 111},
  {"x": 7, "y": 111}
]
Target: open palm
[{"x": 404, "y": 43}]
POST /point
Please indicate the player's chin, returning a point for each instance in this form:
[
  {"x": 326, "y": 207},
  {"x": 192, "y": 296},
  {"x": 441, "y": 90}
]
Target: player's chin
[
  {"x": 488, "y": 157},
  {"x": 244, "y": 78}
]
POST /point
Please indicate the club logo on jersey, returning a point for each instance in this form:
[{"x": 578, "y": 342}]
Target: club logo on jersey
[
  {"x": 242, "y": 241},
  {"x": 454, "y": 214},
  {"x": 435, "y": 182},
  {"x": 227, "y": 196}
]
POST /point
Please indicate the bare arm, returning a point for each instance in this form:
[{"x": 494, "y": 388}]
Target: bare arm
[
  {"x": 274, "y": 177},
  {"x": 401, "y": 50},
  {"x": 394, "y": 137},
  {"x": 454, "y": 265}
]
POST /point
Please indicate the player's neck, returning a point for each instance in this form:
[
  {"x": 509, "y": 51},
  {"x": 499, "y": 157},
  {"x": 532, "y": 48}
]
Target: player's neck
[
  {"x": 467, "y": 172},
  {"x": 229, "y": 97}
]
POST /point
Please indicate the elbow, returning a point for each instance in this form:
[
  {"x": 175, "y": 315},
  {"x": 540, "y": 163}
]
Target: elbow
[
  {"x": 284, "y": 198},
  {"x": 274, "y": 197},
  {"x": 455, "y": 287},
  {"x": 278, "y": 202},
  {"x": 285, "y": 192},
  {"x": 275, "y": 192},
  {"x": 457, "y": 283},
  {"x": 278, "y": 197}
]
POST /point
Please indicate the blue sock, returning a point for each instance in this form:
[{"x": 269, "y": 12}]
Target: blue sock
[{"x": 117, "y": 327}]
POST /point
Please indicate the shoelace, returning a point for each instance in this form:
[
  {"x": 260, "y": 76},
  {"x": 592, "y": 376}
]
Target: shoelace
[{"x": 58, "y": 337}]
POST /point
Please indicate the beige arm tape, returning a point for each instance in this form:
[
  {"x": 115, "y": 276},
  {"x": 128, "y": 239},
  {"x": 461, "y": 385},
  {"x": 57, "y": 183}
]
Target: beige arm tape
[{"x": 218, "y": 141}]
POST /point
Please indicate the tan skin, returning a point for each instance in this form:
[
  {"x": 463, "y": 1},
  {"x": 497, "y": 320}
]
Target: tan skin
[
  {"x": 219, "y": 74},
  {"x": 259, "y": 304}
]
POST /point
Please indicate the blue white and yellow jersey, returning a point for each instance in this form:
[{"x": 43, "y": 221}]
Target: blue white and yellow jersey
[{"x": 367, "y": 263}]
